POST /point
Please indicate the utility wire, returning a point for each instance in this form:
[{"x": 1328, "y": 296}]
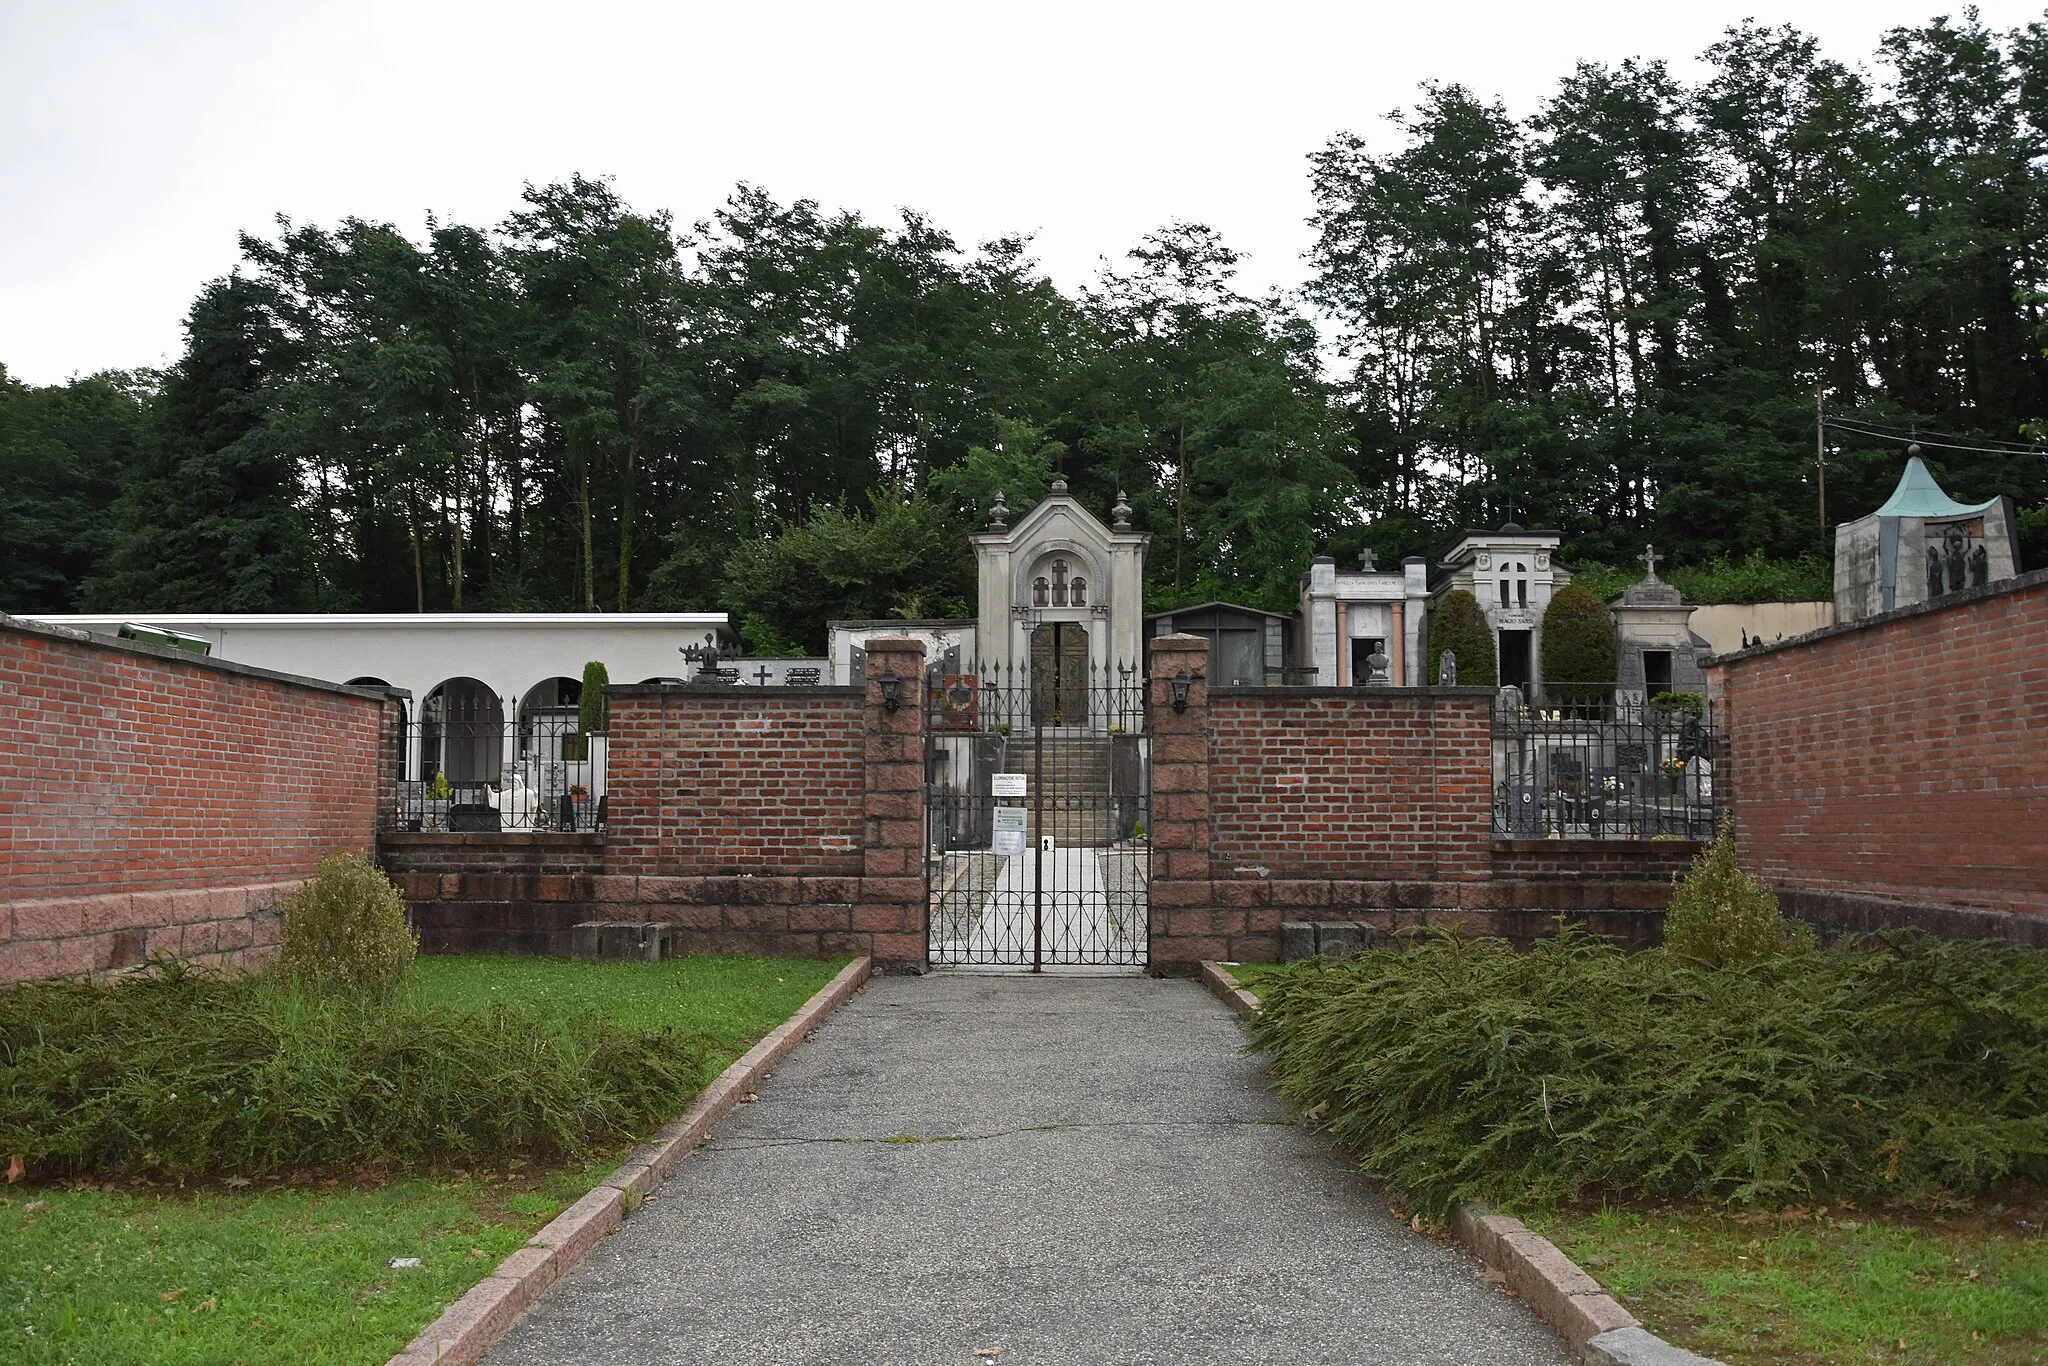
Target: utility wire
[
  {"x": 1911, "y": 439},
  {"x": 1872, "y": 427}
]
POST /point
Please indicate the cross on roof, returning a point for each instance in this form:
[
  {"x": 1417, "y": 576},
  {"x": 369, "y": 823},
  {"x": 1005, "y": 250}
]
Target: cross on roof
[{"x": 1650, "y": 558}]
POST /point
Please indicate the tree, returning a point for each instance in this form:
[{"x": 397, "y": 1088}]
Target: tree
[
  {"x": 906, "y": 557},
  {"x": 1578, "y": 648},
  {"x": 210, "y": 516},
  {"x": 1459, "y": 627},
  {"x": 63, "y": 452}
]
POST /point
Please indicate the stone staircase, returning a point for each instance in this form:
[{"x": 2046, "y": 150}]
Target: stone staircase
[{"x": 1076, "y": 807}]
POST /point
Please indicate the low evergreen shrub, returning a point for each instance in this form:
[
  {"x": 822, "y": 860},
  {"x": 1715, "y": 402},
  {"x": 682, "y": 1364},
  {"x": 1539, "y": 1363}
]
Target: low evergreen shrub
[
  {"x": 1898, "y": 1069},
  {"x": 185, "y": 1075},
  {"x": 344, "y": 930},
  {"x": 1722, "y": 917}
]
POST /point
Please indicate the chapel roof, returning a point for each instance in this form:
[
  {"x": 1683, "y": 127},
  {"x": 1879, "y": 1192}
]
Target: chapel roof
[{"x": 1918, "y": 495}]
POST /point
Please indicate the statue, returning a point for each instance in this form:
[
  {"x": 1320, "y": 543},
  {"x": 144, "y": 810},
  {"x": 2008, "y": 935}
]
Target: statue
[
  {"x": 1980, "y": 567},
  {"x": 1958, "y": 549},
  {"x": 1934, "y": 588},
  {"x": 1447, "y": 670}
]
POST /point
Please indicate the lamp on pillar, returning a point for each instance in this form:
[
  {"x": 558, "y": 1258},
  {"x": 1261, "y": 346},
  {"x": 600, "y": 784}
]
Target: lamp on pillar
[
  {"x": 892, "y": 688},
  {"x": 1180, "y": 689}
]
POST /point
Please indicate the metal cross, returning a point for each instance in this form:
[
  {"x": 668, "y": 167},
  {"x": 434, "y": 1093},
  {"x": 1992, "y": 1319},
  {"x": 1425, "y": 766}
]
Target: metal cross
[
  {"x": 1650, "y": 558},
  {"x": 761, "y": 675}
]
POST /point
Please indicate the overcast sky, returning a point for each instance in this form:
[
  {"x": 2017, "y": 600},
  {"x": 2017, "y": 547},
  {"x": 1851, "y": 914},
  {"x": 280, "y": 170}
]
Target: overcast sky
[{"x": 137, "y": 139}]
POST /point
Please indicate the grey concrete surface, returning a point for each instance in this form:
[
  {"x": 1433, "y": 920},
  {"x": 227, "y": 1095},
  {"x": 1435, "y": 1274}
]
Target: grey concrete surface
[{"x": 1075, "y": 1170}]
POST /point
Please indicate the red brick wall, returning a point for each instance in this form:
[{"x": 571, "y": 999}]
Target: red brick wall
[
  {"x": 128, "y": 774},
  {"x": 776, "y": 821},
  {"x": 1380, "y": 783},
  {"x": 1903, "y": 757},
  {"x": 705, "y": 783}
]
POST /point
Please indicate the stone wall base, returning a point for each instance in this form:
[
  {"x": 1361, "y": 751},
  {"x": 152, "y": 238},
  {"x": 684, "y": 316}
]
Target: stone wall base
[
  {"x": 1834, "y": 912},
  {"x": 77, "y": 936}
]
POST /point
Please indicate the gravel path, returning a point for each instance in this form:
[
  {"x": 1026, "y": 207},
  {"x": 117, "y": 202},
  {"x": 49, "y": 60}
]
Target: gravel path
[{"x": 1076, "y": 1170}]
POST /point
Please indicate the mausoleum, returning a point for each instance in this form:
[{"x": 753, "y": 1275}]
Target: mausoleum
[
  {"x": 1512, "y": 572},
  {"x": 1920, "y": 545}
]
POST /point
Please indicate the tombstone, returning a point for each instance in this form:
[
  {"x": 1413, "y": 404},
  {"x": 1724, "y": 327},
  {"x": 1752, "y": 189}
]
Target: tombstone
[{"x": 1447, "y": 670}]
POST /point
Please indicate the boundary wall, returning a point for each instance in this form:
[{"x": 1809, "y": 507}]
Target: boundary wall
[
  {"x": 753, "y": 820},
  {"x": 1366, "y": 807},
  {"x": 1894, "y": 770},
  {"x": 154, "y": 801}
]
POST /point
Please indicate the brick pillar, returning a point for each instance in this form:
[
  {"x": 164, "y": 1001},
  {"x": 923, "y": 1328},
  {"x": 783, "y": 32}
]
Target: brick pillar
[
  {"x": 1184, "y": 924},
  {"x": 892, "y": 888}
]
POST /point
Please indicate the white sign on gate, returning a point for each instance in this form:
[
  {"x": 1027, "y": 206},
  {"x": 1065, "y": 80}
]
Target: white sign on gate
[
  {"x": 1007, "y": 784},
  {"x": 1011, "y": 827}
]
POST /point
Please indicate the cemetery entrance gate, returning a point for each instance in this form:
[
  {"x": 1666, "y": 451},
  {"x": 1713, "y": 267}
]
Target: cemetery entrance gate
[{"x": 1038, "y": 794}]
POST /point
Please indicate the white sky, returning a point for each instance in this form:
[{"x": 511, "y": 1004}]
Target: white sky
[{"x": 137, "y": 139}]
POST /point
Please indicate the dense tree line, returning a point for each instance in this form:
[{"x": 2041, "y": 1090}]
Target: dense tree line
[{"x": 1615, "y": 317}]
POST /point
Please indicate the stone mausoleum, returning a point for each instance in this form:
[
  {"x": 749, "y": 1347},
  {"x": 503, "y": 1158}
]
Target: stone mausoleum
[{"x": 1921, "y": 545}]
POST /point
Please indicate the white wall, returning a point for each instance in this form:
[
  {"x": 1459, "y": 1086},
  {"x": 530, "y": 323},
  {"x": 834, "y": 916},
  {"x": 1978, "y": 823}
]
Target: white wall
[{"x": 508, "y": 652}]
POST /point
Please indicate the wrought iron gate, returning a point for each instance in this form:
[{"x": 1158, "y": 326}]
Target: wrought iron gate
[{"x": 1038, "y": 809}]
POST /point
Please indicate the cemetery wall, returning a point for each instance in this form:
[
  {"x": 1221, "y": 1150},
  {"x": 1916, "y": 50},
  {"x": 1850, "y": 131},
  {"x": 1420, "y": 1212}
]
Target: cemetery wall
[
  {"x": 1281, "y": 807},
  {"x": 153, "y": 801},
  {"x": 1894, "y": 770},
  {"x": 520, "y": 892},
  {"x": 773, "y": 821}
]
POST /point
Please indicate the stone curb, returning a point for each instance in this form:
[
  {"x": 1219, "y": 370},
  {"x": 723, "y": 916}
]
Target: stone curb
[
  {"x": 468, "y": 1327},
  {"x": 1592, "y": 1323}
]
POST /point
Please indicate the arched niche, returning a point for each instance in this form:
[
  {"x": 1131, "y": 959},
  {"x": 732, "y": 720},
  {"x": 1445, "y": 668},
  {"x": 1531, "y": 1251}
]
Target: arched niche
[
  {"x": 462, "y": 730},
  {"x": 1050, "y": 574}
]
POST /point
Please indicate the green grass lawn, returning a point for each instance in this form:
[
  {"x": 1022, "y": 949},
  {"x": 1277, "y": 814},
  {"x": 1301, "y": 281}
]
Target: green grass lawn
[
  {"x": 302, "y": 1271},
  {"x": 1822, "y": 1287}
]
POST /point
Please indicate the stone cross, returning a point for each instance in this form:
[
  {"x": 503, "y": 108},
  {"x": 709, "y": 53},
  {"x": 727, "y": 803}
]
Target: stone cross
[{"x": 1650, "y": 558}]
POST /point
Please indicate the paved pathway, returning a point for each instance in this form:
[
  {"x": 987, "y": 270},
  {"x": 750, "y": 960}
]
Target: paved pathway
[
  {"x": 1118, "y": 1192},
  {"x": 1078, "y": 920}
]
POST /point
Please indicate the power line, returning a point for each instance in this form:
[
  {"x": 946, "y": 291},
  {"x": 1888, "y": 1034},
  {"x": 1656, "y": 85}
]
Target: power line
[{"x": 1915, "y": 439}]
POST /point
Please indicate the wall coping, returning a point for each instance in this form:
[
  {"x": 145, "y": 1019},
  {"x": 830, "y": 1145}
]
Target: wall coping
[
  {"x": 2020, "y": 583},
  {"x": 485, "y": 839},
  {"x": 1375, "y": 692},
  {"x": 71, "y": 635},
  {"x": 738, "y": 693},
  {"x": 1508, "y": 844}
]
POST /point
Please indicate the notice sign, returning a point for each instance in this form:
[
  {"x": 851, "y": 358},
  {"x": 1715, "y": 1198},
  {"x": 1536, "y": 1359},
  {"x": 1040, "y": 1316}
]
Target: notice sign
[
  {"x": 1011, "y": 829},
  {"x": 1007, "y": 784}
]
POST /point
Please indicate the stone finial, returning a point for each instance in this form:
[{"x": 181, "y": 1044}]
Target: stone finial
[
  {"x": 999, "y": 514},
  {"x": 1121, "y": 512},
  {"x": 1059, "y": 487}
]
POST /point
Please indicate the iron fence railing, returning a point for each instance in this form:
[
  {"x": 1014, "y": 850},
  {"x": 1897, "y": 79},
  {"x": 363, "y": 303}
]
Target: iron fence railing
[
  {"x": 1585, "y": 766},
  {"x": 1038, "y": 808},
  {"x": 470, "y": 768}
]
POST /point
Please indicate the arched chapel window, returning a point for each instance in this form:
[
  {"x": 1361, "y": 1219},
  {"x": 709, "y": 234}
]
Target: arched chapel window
[
  {"x": 1038, "y": 592},
  {"x": 1521, "y": 584},
  {"x": 1080, "y": 591}
]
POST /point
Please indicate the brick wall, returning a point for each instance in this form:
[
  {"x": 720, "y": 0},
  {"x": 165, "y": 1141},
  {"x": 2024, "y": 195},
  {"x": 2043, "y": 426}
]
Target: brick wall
[
  {"x": 708, "y": 782},
  {"x": 774, "y": 821},
  {"x": 1353, "y": 783},
  {"x": 155, "y": 801},
  {"x": 1274, "y": 806},
  {"x": 1900, "y": 759}
]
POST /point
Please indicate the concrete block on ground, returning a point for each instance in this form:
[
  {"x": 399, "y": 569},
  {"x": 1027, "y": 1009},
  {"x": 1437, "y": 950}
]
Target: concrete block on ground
[
  {"x": 1336, "y": 938},
  {"x": 640, "y": 941},
  {"x": 1297, "y": 940}
]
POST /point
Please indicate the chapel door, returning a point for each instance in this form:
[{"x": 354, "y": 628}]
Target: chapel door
[{"x": 1059, "y": 674}]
